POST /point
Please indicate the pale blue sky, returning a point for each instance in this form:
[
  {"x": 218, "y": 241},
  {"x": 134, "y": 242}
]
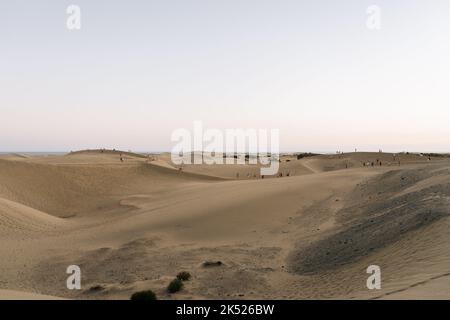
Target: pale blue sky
[{"x": 138, "y": 70}]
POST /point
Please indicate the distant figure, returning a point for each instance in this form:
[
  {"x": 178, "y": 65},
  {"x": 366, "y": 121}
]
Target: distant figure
[
  {"x": 237, "y": 175},
  {"x": 372, "y": 164},
  {"x": 262, "y": 176},
  {"x": 288, "y": 174},
  {"x": 121, "y": 158},
  {"x": 380, "y": 163}
]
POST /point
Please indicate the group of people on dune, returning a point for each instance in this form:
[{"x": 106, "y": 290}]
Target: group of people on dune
[
  {"x": 372, "y": 163},
  {"x": 254, "y": 176}
]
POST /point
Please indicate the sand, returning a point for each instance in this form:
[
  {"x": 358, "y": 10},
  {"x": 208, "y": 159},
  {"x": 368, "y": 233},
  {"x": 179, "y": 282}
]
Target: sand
[{"x": 133, "y": 225}]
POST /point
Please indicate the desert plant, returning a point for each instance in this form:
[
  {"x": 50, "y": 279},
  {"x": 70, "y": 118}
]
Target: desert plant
[
  {"x": 175, "y": 285},
  {"x": 144, "y": 295},
  {"x": 184, "y": 276},
  {"x": 212, "y": 263},
  {"x": 96, "y": 288}
]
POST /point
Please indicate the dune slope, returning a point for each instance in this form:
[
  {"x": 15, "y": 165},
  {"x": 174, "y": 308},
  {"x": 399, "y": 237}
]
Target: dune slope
[{"x": 135, "y": 224}]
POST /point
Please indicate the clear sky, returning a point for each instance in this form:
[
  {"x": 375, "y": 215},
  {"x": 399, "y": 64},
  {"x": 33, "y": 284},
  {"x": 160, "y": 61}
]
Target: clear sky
[{"x": 138, "y": 70}]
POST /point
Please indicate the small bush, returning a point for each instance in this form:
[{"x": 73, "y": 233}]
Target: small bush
[
  {"x": 184, "y": 276},
  {"x": 175, "y": 285},
  {"x": 207, "y": 264},
  {"x": 96, "y": 288},
  {"x": 144, "y": 295}
]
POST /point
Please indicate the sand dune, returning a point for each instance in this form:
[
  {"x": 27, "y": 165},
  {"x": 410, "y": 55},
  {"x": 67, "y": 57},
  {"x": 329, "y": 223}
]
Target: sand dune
[
  {"x": 66, "y": 189},
  {"x": 18, "y": 295},
  {"x": 16, "y": 219},
  {"x": 134, "y": 224}
]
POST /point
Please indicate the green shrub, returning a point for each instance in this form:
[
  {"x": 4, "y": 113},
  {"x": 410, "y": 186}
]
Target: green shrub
[
  {"x": 175, "y": 285},
  {"x": 96, "y": 288},
  {"x": 144, "y": 295},
  {"x": 207, "y": 264},
  {"x": 184, "y": 276}
]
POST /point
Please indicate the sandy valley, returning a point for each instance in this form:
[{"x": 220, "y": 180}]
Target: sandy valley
[{"x": 132, "y": 225}]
